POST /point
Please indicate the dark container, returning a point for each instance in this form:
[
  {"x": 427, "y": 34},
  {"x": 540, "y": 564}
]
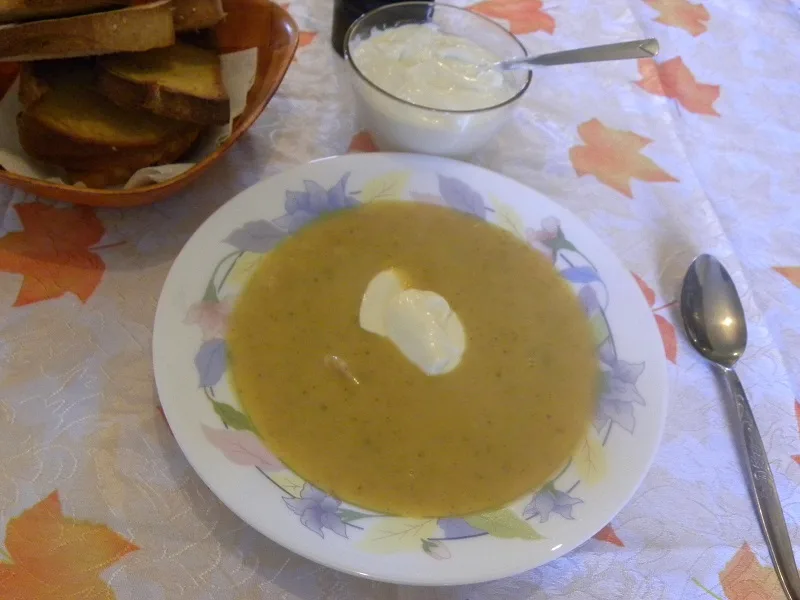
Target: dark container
[{"x": 347, "y": 11}]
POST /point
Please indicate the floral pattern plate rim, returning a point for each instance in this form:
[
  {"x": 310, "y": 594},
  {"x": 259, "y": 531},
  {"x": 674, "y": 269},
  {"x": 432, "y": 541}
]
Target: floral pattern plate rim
[{"x": 223, "y": 447}]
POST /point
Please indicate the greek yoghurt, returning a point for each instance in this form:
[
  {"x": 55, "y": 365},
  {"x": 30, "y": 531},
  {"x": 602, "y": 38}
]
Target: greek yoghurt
[{"x": 423, "y": 65}]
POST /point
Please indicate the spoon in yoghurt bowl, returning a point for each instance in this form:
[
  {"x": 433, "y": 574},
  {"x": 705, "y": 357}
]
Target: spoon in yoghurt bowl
[
  {"x": 622, "y": 51},
  {"x": 635, "y": 49}
]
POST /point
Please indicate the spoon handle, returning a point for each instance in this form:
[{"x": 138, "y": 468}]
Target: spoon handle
[
  {"x": 637, "y": 49},
  {"x": 763, "y": 491}
]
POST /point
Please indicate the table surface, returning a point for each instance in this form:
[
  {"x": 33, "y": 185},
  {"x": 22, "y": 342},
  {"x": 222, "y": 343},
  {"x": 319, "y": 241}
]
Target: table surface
[{"x": 698, "y": 151}]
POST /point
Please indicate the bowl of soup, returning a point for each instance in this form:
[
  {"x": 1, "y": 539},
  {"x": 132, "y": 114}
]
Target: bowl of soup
[{"x": 409, "y": 369}]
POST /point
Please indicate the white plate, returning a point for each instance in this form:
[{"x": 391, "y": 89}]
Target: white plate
[{"x": 189, "y": 357}]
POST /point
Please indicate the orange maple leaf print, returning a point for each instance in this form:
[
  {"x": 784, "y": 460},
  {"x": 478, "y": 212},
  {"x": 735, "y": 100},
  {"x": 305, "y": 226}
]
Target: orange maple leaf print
[
  {"x": 674, "y": 80},
  {"x": 647, "y": 291},
  {"x": 744, "y": 578},
  {"x": 667, "y": 330},
  {"x": 58, "y": 557},
  {"x": 692, "y": 18},
  {"x": 668, "y": 338},
  {"x": 791, "y": 273},
  {"x": 607, "y": 534},
  {"x": 52, "y": 253},
  {"x": 362, "y": 142},
  {"x": 612, "y": 156},
  {"x": 304, "y": 38},
  {"x": 523, "y": 16}
]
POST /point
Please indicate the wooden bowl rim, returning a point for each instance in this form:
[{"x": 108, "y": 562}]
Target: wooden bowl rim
[{"x": 117, "y": 198}]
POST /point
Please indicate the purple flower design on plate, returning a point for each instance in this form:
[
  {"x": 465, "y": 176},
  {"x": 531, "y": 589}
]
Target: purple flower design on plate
[
  {"x": 588, "y": 297},
  {"x": 591, "y": 306},
  {"x": 304, "y": 207},
  {"x": 453, "y": 527},
  {"x": 549, "y": 500},
  {"x": 461, "y": 196},
  {"x": 317, "y": 511},
  {"x": 606, "y": 352},
  {"x": 619, "y": 395},
  {"x": 580, "y": 274},
  {"x": 210, "y": 361}
]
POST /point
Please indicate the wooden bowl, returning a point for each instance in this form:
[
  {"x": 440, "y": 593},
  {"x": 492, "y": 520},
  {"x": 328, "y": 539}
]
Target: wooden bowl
[{"x": 248, "y": 24}]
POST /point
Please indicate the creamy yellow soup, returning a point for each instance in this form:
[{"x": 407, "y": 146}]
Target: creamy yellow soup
[{"x": 400, "y": 441}]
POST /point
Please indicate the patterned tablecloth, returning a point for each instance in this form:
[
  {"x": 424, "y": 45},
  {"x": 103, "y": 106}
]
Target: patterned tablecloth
[{"x": 697, "y": 151}]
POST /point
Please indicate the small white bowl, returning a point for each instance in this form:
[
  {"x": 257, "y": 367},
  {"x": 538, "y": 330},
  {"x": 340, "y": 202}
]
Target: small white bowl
[{"x": 397, "y": 124}]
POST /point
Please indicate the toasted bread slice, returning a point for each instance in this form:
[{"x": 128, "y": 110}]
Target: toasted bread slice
[
  {"x": 99, "y": 166},
  {"x": 31, "y": 87},
  {"x": 202, "y": 38},
  {"x": 197, "y": 14},
  {"x": 37, "y": 78},
  {"x": 132, "y": 29},
  {"x": 74, "y": 127},
  {"x": 181, "y": 82},
  {"x": 23, "y": 10}
]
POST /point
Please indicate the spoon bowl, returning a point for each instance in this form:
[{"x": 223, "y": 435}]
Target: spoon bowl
[{"x": 712, "y": 312}]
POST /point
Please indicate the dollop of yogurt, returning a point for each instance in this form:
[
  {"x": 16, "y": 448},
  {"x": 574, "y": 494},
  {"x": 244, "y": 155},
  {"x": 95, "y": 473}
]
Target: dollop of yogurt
[
  {"x": 420, "y": 323},
  {"x": 421, "y": 64}
]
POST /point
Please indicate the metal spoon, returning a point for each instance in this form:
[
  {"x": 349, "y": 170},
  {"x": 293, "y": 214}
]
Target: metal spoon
[
  {"x": 714, "y": 321},
  {"x": 637, "y": 49}
]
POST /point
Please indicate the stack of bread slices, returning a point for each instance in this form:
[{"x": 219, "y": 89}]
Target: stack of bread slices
[{"x": 108, "y": 86}]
